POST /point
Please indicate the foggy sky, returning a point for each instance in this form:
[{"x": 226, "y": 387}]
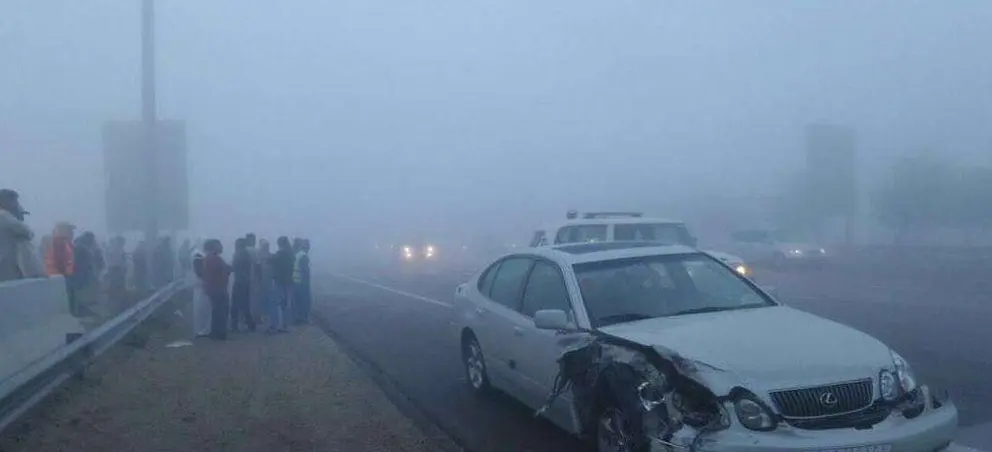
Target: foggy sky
[{"x": 309, "y": 116}]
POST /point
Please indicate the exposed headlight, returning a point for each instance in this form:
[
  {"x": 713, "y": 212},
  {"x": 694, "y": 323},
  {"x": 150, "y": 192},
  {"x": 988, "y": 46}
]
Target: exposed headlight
[
  {"x": 888, "y": 385},
  {"x": 429, "y": 251},
  {"x": 907, "y": 381},
  {"x": 407, "y": 252},
  {"x": 893, "y": 383},
  {"x": 740, "y": 268},
  {"x": 753, "y": 414}
]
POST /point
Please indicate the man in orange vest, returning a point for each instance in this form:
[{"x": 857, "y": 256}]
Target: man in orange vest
[
  {"x": 60, "y": 260},
  {"x": 60, "y": 256}
]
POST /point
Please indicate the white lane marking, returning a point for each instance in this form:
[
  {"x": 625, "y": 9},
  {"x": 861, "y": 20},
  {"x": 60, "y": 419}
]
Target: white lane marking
[
  {"x": 392, "y": 290},
  {"x": 959, "y": 448},
  {"x": 980, "y": 435}
]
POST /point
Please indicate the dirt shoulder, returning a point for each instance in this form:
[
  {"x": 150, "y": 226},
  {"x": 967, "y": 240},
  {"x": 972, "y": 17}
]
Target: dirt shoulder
[{"x": 290, "y": 392}]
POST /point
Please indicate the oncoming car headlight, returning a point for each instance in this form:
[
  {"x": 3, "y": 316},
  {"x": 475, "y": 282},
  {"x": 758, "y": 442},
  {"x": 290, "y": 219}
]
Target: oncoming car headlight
[
  {"x": 429, "y": 251},
  {"x": 753, "y": 414},
  {"x": 407, "y": 252}
]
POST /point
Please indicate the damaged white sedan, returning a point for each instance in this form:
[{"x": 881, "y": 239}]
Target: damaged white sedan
[{"x": 636, "y": 347}]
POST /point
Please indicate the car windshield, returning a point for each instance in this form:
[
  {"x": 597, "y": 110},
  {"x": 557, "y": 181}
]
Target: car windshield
[
  {"x": 626, "y": 290},
  {"x": 667, "y": 233}
]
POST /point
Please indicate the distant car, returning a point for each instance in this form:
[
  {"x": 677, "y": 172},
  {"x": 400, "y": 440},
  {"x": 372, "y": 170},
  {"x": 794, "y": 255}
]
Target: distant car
[
  {"x": 637, "y": 347},
  {"x": 415, "y": 252},
  {"x": 771, "y": 247},
  {"x": 625, "y": 226}
]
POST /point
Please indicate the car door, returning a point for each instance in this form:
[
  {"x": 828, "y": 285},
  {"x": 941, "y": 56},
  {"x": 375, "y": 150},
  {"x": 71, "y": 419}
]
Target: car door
[
  {"x": 539, "y": 350},
  {"x": 500, "y": 318}
]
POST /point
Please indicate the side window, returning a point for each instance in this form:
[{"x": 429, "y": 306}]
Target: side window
[
  {"x": 623, "y": 232},
  {"x": 486, "y": 281},
  {"x": 582, "y": 234},
  {"x": 591, "y": 233},
  {"x": 538, "y": 239},
  {"x": 545, "y": 290},
  {"x": 510, "y": 281}
]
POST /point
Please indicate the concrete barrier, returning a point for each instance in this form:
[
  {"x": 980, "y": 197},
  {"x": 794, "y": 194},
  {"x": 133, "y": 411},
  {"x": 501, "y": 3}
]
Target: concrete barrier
[{"x": 34, "y": 321}]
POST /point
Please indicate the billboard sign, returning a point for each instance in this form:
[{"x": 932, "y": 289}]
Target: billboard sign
[{"x": 128, "y": 188}]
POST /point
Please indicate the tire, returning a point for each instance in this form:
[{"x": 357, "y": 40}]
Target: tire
[
  {"x": 474, "y": 362},
  {"x": 613, "y": 431}
]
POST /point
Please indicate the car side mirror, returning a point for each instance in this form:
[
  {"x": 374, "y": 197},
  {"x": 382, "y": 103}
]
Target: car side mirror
[{"x": 551, "y": 319}]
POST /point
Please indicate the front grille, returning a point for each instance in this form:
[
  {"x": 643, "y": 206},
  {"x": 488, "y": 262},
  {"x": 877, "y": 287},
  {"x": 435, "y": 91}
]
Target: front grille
[
  {"x": 861, "y": 419},
  {"x": 823, "y": 401}
]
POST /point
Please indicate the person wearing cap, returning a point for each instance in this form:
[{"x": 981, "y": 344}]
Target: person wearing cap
[{"x": 17, "y": 256}]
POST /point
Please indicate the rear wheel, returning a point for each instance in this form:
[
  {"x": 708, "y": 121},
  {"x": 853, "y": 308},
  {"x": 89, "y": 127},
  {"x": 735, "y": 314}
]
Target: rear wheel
[{"x": 475, "y": 365}]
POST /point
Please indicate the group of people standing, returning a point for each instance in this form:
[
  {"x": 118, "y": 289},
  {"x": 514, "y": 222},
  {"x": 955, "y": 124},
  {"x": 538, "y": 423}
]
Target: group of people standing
[{"x": 275, "y": 285}]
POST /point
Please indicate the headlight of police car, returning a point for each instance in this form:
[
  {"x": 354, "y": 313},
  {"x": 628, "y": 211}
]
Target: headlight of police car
[
  {"x": 894, "y": 383},
  {"x": 753, "y": 414}
]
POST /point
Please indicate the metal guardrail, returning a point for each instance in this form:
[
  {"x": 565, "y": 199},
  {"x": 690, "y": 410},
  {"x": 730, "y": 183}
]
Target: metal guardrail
[{"x": 25, "y": 389}]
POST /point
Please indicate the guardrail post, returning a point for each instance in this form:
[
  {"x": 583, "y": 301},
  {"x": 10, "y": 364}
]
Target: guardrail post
[{"x": 70, "y": 338}]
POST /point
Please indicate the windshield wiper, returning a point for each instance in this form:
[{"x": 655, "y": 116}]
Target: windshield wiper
[
  {"x": 621, "y": 318},
  {"x": 704, "y": 310}
]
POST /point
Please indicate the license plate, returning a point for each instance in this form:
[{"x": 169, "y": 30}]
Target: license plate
[{"x": 875, "y": 448}]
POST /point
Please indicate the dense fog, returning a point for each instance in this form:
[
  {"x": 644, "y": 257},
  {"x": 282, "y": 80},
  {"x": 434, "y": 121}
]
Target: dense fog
[{"x": 375, "y": 119}]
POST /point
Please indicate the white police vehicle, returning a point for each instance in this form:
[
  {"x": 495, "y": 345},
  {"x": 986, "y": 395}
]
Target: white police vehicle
[{"x": 622, "y": 227}]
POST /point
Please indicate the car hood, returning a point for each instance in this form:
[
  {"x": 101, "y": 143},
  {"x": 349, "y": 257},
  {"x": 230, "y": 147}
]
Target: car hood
[
  {"x": 729, "y": 259},
  {"x": 764, "y": 348}
]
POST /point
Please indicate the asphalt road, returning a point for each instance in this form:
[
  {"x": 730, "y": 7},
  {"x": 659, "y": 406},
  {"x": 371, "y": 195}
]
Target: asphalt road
[{"x": 399, "y": 321}]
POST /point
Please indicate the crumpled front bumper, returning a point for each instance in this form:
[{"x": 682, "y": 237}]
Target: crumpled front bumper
[{"x": 930, "y": 431}]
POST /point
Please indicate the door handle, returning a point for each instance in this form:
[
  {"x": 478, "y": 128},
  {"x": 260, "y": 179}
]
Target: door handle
[{"x": 518, "y": 331}]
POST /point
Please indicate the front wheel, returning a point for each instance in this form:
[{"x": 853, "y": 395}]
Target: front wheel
[
  {"x": 475, "y": 365},
  {"x": 613, "y": 432}
]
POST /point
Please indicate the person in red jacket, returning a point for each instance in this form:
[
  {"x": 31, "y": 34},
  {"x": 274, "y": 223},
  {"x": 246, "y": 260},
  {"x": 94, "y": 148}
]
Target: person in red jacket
[{"x": 216, "y": 275}]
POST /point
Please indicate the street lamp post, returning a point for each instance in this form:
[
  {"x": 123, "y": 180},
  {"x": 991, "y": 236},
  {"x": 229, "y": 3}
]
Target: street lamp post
[{"x": 148, "y": 119}]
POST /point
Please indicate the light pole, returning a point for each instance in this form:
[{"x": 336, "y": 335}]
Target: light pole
[{"x": 148, "y": 119}]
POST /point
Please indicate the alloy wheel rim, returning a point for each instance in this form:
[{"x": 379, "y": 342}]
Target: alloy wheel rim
[{"x": 474, "y": 365}]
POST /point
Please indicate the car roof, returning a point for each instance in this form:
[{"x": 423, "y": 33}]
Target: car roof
[
  {"x": 608, "y": 221},
  {"x": 580, "y": 253}
]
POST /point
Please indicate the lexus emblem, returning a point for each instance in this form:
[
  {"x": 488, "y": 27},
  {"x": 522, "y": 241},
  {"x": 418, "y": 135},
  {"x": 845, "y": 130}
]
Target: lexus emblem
[{"x": 828, "y": 399}]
